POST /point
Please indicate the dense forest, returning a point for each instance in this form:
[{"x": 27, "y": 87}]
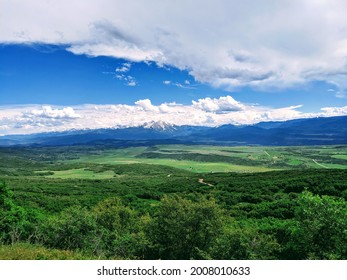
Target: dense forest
[{"x": 152, "y": 211}]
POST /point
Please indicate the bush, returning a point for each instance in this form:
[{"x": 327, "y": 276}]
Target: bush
[
  {"x": 244, "y": 243},
  {"x": 120, "y": 227},
  {"x": 16, "y": 223},
  {"x": 75, "y": 228},
  {"x": 184, "y": 229},
  {"x": 321, "y": 228}
]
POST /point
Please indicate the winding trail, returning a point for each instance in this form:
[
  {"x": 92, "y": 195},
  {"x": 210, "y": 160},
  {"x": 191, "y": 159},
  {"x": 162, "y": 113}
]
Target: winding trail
[
  {"x": 201, "y": 181},
  {"x": 321, "y": 165}
]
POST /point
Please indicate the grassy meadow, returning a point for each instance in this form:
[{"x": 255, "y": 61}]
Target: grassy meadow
[{"x": 204, "y": 159}]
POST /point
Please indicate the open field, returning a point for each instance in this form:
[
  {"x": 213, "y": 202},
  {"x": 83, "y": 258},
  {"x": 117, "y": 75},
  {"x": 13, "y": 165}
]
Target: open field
[
  {"x": 74, "y": 161},
  {"x": 81, "y": 173},
  {"x": 203, "y": 159}
]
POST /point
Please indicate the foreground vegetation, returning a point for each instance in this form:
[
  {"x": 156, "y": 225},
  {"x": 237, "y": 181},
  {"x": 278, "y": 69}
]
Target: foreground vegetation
[{"x": 105, "y": 203}]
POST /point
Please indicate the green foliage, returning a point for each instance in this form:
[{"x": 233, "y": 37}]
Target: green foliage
[
  {"x": 75, "y": 228},
  {"x": 149, "y": 211},
  {"x": 130, "y": 246},
  {"x": 321, "y": 229},
  {"x": 16, "y": 223},
  {"x": 120, "y": 228},
  {"x": 184, "y": 229},
  {"x": 245, "y": 243},
  {"x": 114, "y": 216},
  {"x": 6, "y": 202}
]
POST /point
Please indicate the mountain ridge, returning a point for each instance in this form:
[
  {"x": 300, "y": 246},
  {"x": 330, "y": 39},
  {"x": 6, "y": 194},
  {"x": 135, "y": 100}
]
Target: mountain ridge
[{"x": 309, "y": 131}]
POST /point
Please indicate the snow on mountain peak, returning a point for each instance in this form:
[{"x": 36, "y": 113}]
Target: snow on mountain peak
[{"x": 158, "y": 125}]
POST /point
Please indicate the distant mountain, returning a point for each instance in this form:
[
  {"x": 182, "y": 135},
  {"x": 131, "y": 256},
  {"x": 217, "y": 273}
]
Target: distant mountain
[
  {"x": 159, "y": 125},
  {"x": 314, "y": 131}
]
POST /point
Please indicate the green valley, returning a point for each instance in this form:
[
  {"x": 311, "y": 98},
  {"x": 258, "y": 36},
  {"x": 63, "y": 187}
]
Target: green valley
[{"x": 173, "y": 202}]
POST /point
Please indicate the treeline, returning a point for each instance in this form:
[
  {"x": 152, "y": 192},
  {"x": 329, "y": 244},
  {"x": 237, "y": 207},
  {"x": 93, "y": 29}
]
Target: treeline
[{"x": 193, "y": 227}]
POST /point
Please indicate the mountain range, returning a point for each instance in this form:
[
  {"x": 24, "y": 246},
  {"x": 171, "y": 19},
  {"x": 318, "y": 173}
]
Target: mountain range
[{"x": 312, "y": 131}]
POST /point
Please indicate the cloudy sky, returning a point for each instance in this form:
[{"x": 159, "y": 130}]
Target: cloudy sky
[{"x": 109, "y": 63}]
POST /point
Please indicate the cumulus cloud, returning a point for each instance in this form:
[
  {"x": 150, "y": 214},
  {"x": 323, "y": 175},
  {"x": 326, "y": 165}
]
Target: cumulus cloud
[
  {"x": 146, "y": 105},
  {"x": 50, "y": 113},
  {"x": 31, "y": 119},
  {"x": 220, "y": 105},
  {"x": 206, "y": 112},
  {"x": 226, "y": 43}
]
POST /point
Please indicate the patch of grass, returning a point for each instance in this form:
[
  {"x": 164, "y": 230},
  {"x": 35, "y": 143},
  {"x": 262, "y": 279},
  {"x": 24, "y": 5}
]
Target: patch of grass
[
  {"x": 295, "y": 162},
  {"x": 340, "y": 156},
  {"x": 25, "y": 251},
  {"x": 335, "y": 166},
  {"x": 193, "y": 166},
  {"x": 82, "y": 173}
]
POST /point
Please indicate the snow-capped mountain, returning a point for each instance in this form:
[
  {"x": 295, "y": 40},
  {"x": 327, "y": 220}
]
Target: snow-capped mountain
[
  {"x": 159, "y": 125},
  {"x": 315, "y": 131}
]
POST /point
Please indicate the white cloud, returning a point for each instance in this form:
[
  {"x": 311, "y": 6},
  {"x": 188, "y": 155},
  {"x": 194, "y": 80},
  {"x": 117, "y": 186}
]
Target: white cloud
[
  {"x": 124, "y": 68},
  {"x": 120, "y": 74},
  {"x": 129, "y": 80},
  {"x": 207, "y": 112},
  {"x": 222, "y": 104},
  {"x": 226, "y": 43},
  {"x": 146, "y": 105},
  {"x": 48, "y": 112},
  {"x": 334, "y": 111},
  {"x": 33, "y": 118},
  {"x": 132, "y": 83},
  {"x": 185, "y": 85}
]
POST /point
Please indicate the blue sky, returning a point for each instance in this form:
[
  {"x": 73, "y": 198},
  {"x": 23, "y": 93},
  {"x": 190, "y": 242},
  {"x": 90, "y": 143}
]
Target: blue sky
[
  {"x": 48, "y": 74},
  {"x": 110, "y": 63},
  {"x": 40, "y": 74}
]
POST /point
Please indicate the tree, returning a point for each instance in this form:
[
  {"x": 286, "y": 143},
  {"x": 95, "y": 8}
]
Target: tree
[
  {"x": 114, "y": 216},
  {"x": 184, "y": 229},
  {"x": 6, "y": 202},
  {"x": 244, "y": 242},
  {"x": 74, "y": 228},
  {"x": 321, "y": 228},
  {"x": 16, "y": 223},
  {"x": 121, "y": 229}
]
